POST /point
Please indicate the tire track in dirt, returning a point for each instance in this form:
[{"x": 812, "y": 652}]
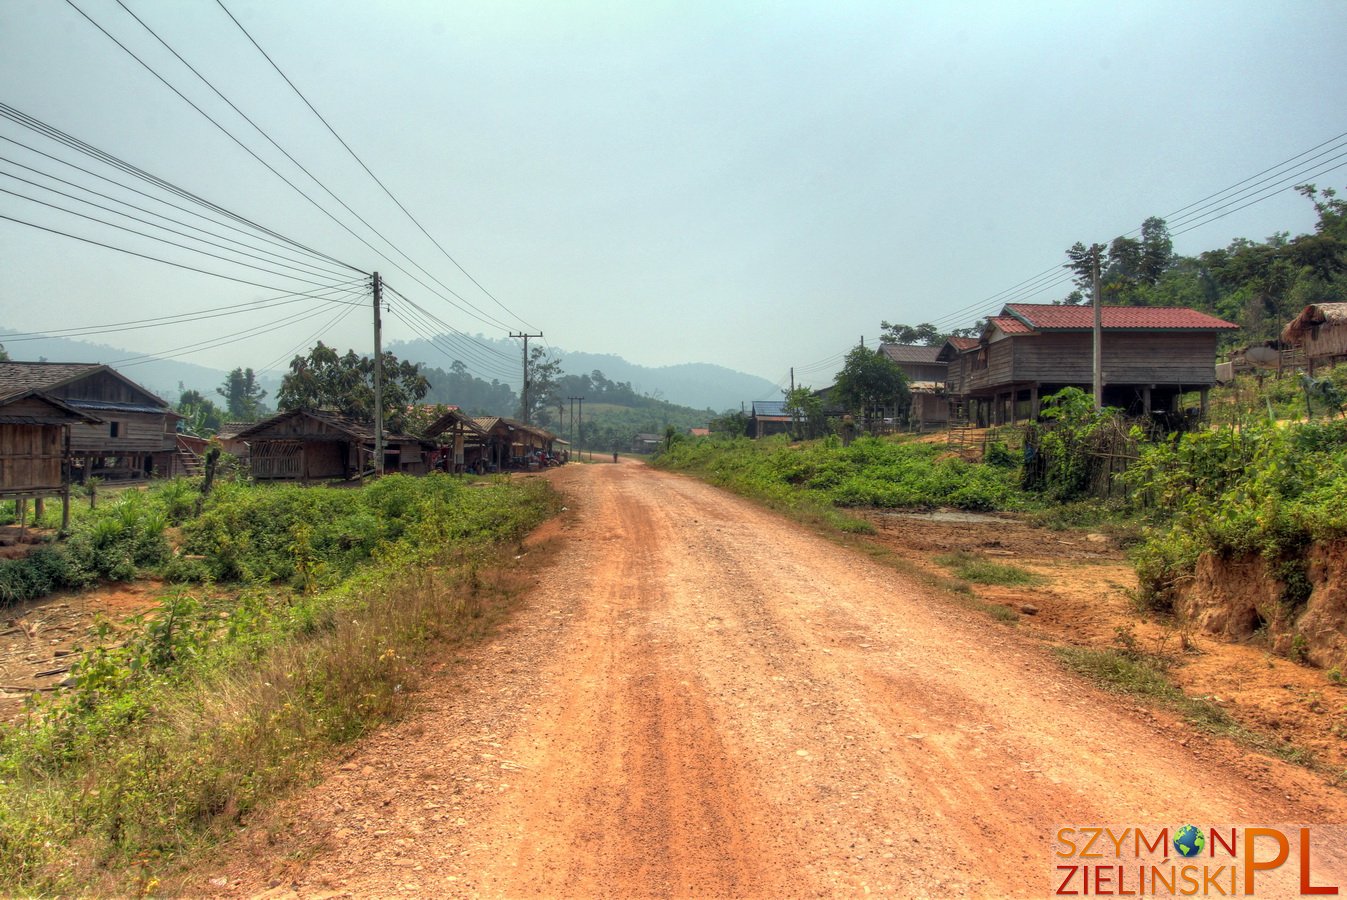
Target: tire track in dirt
[{"x": 701, "y": 699}]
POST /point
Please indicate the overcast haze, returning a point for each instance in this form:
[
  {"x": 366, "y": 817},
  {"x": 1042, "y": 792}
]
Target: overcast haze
[{"x": 753, "y": 185}]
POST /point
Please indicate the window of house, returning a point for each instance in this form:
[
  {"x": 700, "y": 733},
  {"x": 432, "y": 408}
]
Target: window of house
[{"x": 114, "y": 429}]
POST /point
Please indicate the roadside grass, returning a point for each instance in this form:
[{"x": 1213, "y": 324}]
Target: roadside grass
[
  {"x": 958, "y": 590},
  {"x": 980, "y": 570},
  {"x": 1145, "y": 676},
  {"x": 207, "y": 711}
]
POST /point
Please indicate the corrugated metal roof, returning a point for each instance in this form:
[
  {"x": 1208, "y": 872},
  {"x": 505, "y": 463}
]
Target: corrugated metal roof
[
  {"x": 1045, "y": 317},
  {"x": 763, "y": 408},
  {"x": 113, "y": 406},
  {"x": 910, "y": 353},
  {"x": 963, "y": 343}
]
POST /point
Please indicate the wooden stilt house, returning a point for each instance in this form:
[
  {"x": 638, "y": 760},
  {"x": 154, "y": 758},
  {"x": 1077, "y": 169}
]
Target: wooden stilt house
[
  {"x": 317, "y": 445},
  {"x": 129, "y": 433},
  {"x": 35, "y": 447}
]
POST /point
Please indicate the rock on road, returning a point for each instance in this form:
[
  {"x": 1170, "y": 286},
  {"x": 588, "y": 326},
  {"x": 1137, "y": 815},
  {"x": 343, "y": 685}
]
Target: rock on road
[{"x": 700, "y": 698}]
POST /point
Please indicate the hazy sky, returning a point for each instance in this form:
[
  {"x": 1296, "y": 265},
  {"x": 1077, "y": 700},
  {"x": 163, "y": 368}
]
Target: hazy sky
[{"x": 750, "y": 184}]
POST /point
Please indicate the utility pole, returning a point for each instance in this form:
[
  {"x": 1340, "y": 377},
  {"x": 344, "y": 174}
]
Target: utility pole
[
  {"x": 1098, "y": 330},
  {"x": 378, "y": 378},
  {"x": 580, "y": 435},
  {"x": 524, "y": 392},
  {"x": 572, "y": 428}
]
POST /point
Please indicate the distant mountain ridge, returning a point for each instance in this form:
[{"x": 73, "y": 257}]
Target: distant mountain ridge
[{"x": 696, "y": 385}]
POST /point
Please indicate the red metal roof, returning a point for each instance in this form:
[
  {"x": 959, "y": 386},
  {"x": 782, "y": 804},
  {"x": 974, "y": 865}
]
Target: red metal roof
[
  {"x": 1010, "y": 325},
  {"x": 964, "y": 343},
  {"x": 1044, "y": 317}
]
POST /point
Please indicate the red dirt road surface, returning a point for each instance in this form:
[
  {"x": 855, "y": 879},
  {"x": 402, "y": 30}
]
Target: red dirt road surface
[{"x": 701, "y": 699}]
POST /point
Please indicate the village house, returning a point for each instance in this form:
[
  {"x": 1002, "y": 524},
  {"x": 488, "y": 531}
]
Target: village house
[
  {"x": 1320, "y": 331},
  {"x": 1150, "y": 357},
  {"x": 768, "y": 417},
  {"x": 318, "y": 445},
  {"x": 129, "y": 432},
  {"x": 926, "y": 374},
  {"x": 460, "y": 443},
  {"x": 34, "y": 448}
]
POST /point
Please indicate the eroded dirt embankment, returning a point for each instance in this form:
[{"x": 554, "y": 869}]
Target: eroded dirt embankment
[{"x": 699, "y": 699}]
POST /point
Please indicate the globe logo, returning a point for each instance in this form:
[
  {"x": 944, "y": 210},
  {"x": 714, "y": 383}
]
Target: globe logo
[{"x": 1189, "y": 841}]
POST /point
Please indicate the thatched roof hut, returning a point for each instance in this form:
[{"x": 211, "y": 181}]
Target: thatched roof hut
[{"x": 1321, "y": 329}]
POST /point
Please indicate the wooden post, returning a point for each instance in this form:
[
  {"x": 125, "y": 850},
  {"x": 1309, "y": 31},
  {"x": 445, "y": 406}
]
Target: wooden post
[
  {"x": 65, "y": 507},
  {"x": 1098, "y": 330}
]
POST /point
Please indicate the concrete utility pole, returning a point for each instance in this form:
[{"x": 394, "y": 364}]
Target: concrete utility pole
[
  {"x": 572, "y": 428},
  {"x": 378, "y": 377},
  {"x": 524, "y": 391},
  {"x": 1098, "y": 330},
  {"x": 580, "y": 433}
]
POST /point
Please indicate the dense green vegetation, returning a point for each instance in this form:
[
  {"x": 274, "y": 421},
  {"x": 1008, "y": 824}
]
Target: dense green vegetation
[
  {"x": 180, "y": 723},
  {"x": 872, "y": 472},
  {"x": 1265, "y": 489}
]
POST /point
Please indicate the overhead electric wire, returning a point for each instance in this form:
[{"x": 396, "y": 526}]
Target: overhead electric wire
[
  {"x": 1232, "y": 199},
  {"x": 134, "y": 218},
  {"x": 1332, "y": 140},
  {"x": 332, "y": 323},
  {"x": 313, "y": 268},
  {"x": 183, "y": 318},
  {"x": 465, "y": 347},
  {"x": 250, "y": 232},
  {"x": 367, "y": 169},
  {"x": 167, "y": 262},
  {"x": 1271, "y": 192},
  {"x": 443, "y": 324},
  {"x": 223, "y": 340},
  {"x": 34, "y": 124},
  {"x": 449, "y": 352},
  {"x": 467, "y": 353},
  {"x": 472, "y": 311},
  {"x": 486, "y": 317},
  {"x": 157, "y": 238}
]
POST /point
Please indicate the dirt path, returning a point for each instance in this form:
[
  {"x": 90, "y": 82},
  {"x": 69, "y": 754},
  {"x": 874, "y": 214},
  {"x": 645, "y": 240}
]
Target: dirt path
[{"x": 701, "y": 699}]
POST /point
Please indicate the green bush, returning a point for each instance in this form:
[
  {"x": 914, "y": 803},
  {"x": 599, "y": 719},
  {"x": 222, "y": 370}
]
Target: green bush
[{"x": 872, "y": 472}]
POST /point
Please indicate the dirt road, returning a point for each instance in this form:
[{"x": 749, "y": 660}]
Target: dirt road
[{"x": 701, "y": 699}]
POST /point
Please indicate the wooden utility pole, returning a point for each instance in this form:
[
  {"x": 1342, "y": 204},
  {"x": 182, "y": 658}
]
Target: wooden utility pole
[
  {"x": 1098, "y": 330},
  {"x": 524, "y": 391},
  {"x": 580, "y": 432},
  {"x": 378, "y": 378}
]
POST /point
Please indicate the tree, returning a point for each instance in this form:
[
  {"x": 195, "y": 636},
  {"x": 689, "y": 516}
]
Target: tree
[
  {"x": 327, "y": 380},
  {"x": 4, "y": 354},
  {"x": 870, "y": 382},
  {"x": 924, "y": 334},
  {"x": 806, "y": 413},
  {"x": 540, "y": 387},
  {"x": 200, "y": 415},
  {"x": 243, "y": 395}
]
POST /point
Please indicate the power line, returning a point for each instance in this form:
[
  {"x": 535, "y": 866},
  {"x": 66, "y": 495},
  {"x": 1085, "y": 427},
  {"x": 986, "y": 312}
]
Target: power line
[
  {"x": 182, "y": 318},
  {"x": 367, "y": 169},
  {"x": 224, "y": 340},
  {"x": 166, "y": 262},
  {"x": 69, "y": 196},
  {"x": 332, "y": 323},
  {"x": 1233, "y": 199},
  {"x": 156, "y": 238},
  {"x": 489, "y": 319},
  {"x": 53, "y": 133},
  {"x": 145, "y": 210}
]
